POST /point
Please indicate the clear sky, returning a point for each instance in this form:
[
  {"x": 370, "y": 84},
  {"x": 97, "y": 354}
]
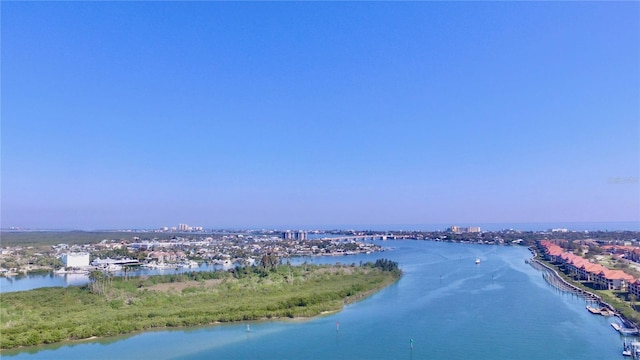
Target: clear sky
[{"x": 217, "y": 114}]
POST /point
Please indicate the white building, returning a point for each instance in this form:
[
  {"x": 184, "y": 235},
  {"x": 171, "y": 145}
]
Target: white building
[{"x": 75, "y": 259}]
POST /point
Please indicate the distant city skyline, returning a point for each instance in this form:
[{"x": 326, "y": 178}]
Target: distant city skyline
[
  {"x": 552, "y": 227},
  {"x": 244, "y": 114}
]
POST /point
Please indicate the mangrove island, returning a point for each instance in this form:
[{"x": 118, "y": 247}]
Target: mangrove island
[{"x": 110, "y": 305}]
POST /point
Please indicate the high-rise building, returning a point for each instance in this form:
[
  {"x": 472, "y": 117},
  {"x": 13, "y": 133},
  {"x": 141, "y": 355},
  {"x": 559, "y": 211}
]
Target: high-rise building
[
  {"x": 459, "y": 230},
  {"x": 75, "y": 259}
]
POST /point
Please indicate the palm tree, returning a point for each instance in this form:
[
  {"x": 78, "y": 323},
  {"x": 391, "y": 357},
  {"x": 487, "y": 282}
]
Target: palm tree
[{"x": 99, "y": 281}]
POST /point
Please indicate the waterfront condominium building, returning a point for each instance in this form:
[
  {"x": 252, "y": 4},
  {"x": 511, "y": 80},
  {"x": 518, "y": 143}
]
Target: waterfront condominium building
[
  {"x": 75, "y": 259},
  {"x": 459, "y": 229},
  {"x": 297, "y": 235}
]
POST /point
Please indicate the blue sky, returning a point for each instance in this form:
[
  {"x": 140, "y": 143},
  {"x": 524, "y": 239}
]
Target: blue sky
[{"x": 149, "y": 114}]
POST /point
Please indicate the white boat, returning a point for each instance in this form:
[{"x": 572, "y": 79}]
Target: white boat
[
  {"x": 63, "y": 271},
  {"x": 631, "y": 349},
  {"x": 188, "y": 264},
  {"x": 477, "y": 261},
  {"x": 625, "y": 331},
  {"x": 160, "y": 266},
  {"x": 113, "y": 267}
]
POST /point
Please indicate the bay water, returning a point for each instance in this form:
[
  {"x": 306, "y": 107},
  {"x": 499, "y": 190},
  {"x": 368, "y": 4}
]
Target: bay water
[{"x": 445, "y": 304}]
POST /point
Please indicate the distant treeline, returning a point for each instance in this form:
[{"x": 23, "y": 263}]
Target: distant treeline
[
  {"x": 530, "y": 237},
  {"x": 35, "y": 238}
]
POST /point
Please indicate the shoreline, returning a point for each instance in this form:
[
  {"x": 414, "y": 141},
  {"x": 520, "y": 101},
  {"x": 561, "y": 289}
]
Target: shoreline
[
  {"x": 71, "y": 342},
  {"x": 575, "y": 288}
]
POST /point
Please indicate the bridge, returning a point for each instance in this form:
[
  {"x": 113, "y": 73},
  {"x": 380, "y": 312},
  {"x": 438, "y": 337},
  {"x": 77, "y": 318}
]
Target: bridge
[{"x": 366, "y": 237}]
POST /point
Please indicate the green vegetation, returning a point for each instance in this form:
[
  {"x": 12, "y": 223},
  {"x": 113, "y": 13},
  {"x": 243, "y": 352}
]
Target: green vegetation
[
  {"x": 613, "y": 263},
  {"x": 622, "y": 302},
  {"x": 111, "y": 306},
  {"x": 48, "y": 238}
]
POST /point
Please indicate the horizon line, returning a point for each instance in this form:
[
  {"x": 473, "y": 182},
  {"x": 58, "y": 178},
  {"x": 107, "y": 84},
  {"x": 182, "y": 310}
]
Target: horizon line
[{"x": 361, "y": 227}]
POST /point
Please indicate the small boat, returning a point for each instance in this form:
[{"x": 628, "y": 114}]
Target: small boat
[
  {"x": 594, "y": 310},
  {"x": 626, "y": 349},
  {"x": 606, "y": 312},
  {"x": 629, "y": 331},
  {"x": 477, "y": 261},
  {"x": 625, "y": 331}
]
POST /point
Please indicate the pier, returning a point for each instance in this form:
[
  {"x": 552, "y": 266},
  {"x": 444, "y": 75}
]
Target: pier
[
  {"x": 367, "y": 237},
  {"x": 552, "y": 277}
]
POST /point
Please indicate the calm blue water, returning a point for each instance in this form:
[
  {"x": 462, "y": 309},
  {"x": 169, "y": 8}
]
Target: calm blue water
[
  {"x": 450, "y": 307},
  {"x": 34, "y": 281}
]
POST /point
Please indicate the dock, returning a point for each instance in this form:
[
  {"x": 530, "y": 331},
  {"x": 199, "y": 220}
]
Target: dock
[{"x": 552, "y": 277}]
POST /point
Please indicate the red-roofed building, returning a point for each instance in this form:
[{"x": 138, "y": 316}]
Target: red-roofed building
[
  {"x": 552, "y": 251},
  {"x": 602, "y": 277},
  {"x": 613, "y": 279},
  {"x": 634, "y": 289}
]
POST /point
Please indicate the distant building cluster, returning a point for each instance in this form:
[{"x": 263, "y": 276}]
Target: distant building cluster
[
  {"x": 459, "y": 229},
  {"x": 183, "y": 228},
  {"x": 294, "y": 235}
]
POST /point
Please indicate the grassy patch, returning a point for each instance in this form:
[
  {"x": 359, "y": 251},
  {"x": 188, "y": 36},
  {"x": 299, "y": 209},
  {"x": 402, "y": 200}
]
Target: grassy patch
[{"x": 50, "y": 315}]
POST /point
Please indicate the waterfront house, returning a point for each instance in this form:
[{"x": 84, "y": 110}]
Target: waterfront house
[
  {"x": 602, "y": 277},
  {"x": 588, "y": 270},
  {"x": 634, "y": 289},
  {"x": 613, "y": 280},
  {"x": 581, "y": 267},
  {"x": 552, "y": 251}
]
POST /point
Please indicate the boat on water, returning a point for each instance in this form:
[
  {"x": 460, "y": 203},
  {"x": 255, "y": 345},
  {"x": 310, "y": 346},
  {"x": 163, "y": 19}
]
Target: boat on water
[
  {"x": 629, "y": 331},
  {"x": 113, "y": 267},
  {"x": 604, "y": 311},
  {"x": 631, "y": 349},
  {"x": 187, "y": 264},
  {"x": 477, "y": 260},
  {"x": 160, "y": 266},
  {"x": 71, "y": 271},
  {"x": 625, "y": 331},
  {"x": 593, "y": 310}
]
